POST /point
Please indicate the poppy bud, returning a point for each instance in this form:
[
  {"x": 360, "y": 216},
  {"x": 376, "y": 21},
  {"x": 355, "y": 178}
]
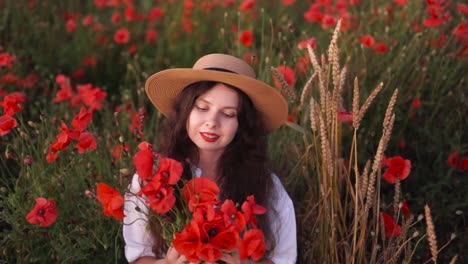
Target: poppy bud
[{"x": 28, "y": 161}]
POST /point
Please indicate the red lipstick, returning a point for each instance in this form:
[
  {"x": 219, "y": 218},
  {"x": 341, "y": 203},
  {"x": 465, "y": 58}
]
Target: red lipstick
[{"x": 209, "y": 137}]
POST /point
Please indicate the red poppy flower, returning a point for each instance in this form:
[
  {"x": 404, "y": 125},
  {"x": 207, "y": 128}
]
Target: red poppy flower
[
  {"x": 367, "y": 41},
  {"x": 6, "y": 60},
  {"x": 405, "y": 209},
  {"x": 12, "y": 103},
  {"x": 401, "y": 2},
  {"x": 391, "y": 228},
  {"x": 250, "y": 58},
  {"x": 188, "y": 241},
  {"x": 250, "y": 209},
  {"x": 169, "y": 171},
  {"x": 328, "y": 21},
  {"x": 9, "y": 78},
  {"x": 64, "y": 94},
  {"x": 29, "y": 81},
  {"x": 457, "y": 161},
  {"x": 398, "y": 168},
  {"x": 111, "y": 201},
  {"x": 462, "y": 8},
  {"x": 312, "y": 42},
  {"x": 232, "y": 216},
  {"x": 380, "y": 47},
  {"x": 115, "y": 18},
  {"x": 416, "y": 103},
  {"x": 143, "y": 160},
  {"x": 90, "y": 61},
  {"x": 44, "y": 212},
  {"x": 155, "y": 13},
  {"x": 288, "y": 75},
  {"x": 118, "y": 149},
  {"x": 70, "y": 25},
  {"x": 288, "y": 2},
  {"x": 246, "y": 38},
  {"x": 314, "y": 14},
  {"x": 461, "y": 30},
  {"x": 344, "y": 116},
  {"x": 151, "y": 35},
  {"x": 68, "y": 133},
  {"x": 122, "y": 36},
  {"x": 247, "y": 5},
  {"x": 82, "y": 119},
  {"x": 91, "y": 96},
  {"x": 252, "y": 245},
  {"x": 200, "y": 191},
  {"x": 160, "y": 197},
  {"x": 7, "y": 123},
  {"x": 87, "y": 142}
]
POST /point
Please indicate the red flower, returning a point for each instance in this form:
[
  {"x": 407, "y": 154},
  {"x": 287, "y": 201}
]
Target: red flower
[
  {"x": 462, "y": 8},
  {"x": 246, "y": 38},
  {"x": 82, "y": 119},
  {"x": 64, "y": 94},
  {"x": 151, "y": 36},
  {"x": 367, "y": 41},
  {"x": 188, "y": 241},
  {"x": 252, "y": 245},
  {"x": 117, "y": 150},
  {"x": 380, "y": 47},
  {"x": 288, "y": 2},
  {"x": 155, "y": 13},
  {"x": 416, "y": 103},
  {"x": 7, "y": 123},
  {"x": 391, "y": 228},
  {"x": 247, "y": 5},
  {"x": 398, "y": 168},
  {"x": 314, "y": 14},
  {"x": 232, "y": 216},
  {"x": 122, "y": 36},
  {"x": 91, "y": 97},
  {"x": 160, "y": 197},
  {"x": 344, "y": 116},
  {"x": 12, "y": 103},
  {"x": 6, "y": 59},
  {"x": 401, "y": 2},
  {"x": 44, "y": 212},
  {"x": 457, "y": 161},
  {"x": 250, "y": 58},
  {"x": 111, "y": 201},
  {"x": 461, "y": 30},
  {"x": 288, "y": 75},
  {"x": 328, "y": 21},
  {"x": 143, "y": 160},
  {"x": 250, "y": 209},
  {"x": 199, "y": 192},
  {"x": 405, "y": 209},
  {"x": 304, "y": 43},
  {"x": 70, "y": 25},
  {"x": 86, "y": 142},
  {"x": 169, "y": 171}
]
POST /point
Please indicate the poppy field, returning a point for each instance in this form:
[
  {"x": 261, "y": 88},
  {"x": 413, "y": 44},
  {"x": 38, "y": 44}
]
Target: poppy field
[{"x": 374, "y": 153}]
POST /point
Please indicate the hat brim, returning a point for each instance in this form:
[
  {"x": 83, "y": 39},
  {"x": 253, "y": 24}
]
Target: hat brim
[{"x": 163, "y": 87}]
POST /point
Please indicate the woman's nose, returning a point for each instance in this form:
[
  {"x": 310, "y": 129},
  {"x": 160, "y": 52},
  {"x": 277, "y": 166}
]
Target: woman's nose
[{"x": 212, "y": 120}]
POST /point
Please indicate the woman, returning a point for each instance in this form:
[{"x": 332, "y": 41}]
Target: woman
[{"x": 218, "y": 116}]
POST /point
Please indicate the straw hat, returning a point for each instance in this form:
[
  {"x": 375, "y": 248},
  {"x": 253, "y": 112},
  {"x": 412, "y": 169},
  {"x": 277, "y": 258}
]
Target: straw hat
[{"x": 164, "y": 86}]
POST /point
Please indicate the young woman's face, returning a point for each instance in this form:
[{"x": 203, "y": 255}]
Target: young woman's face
[{"x": 212, "y": 123}]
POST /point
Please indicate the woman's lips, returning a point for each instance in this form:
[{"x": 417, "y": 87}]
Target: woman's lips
[{"x": 209, "y": 137}]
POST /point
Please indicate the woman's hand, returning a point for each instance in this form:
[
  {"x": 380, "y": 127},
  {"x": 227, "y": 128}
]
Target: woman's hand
[{"x": 173, "y": 257}]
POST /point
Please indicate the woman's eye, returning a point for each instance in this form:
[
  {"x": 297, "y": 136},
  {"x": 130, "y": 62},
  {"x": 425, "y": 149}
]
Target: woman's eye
[
  {"x": 201, "y": 108},
  {"x": 229, "y": 115}
]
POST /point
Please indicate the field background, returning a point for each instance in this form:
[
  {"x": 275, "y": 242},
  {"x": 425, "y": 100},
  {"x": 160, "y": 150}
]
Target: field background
[{"x": 110, "y": 47}]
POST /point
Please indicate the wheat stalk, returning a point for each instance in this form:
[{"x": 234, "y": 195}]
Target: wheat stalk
[
  {"x": 285, "y": 88},
  {"x": 365, "y": 178},
  {"x": 333, "y": 55},
  {"x": 454, "y": 259},
  {"x": 313, "y": 112},
  {"x": 355, "y": 109},
  {"x": 365, "y": 106},
  {"x": 307, "y": 89},
  {"x": 396, "y": 195},
  {"x": 431, "y": 236}
]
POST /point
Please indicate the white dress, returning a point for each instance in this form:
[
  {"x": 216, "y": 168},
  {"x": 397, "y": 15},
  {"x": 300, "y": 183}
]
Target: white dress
[{"x": 138, "y": 240}]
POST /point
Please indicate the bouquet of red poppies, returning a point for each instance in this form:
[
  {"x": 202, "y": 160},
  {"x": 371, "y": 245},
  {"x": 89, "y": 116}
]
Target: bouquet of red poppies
[{"x": 195, "y": 222}]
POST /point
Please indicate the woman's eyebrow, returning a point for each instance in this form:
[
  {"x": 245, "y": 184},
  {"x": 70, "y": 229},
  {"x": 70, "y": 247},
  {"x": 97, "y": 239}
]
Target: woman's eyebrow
[{"x": 226, "y": 107}]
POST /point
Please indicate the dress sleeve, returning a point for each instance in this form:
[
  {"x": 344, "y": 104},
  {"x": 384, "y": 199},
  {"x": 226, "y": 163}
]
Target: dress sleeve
[
  {"x": 138, "y": 240},
  {"x": 284, "y": 226}
]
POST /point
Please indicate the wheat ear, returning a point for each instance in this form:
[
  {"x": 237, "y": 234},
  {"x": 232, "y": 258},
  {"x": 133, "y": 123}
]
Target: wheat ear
[
  {"x": 431, "y": 236},
  {"x": 366, "y": 104}
]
